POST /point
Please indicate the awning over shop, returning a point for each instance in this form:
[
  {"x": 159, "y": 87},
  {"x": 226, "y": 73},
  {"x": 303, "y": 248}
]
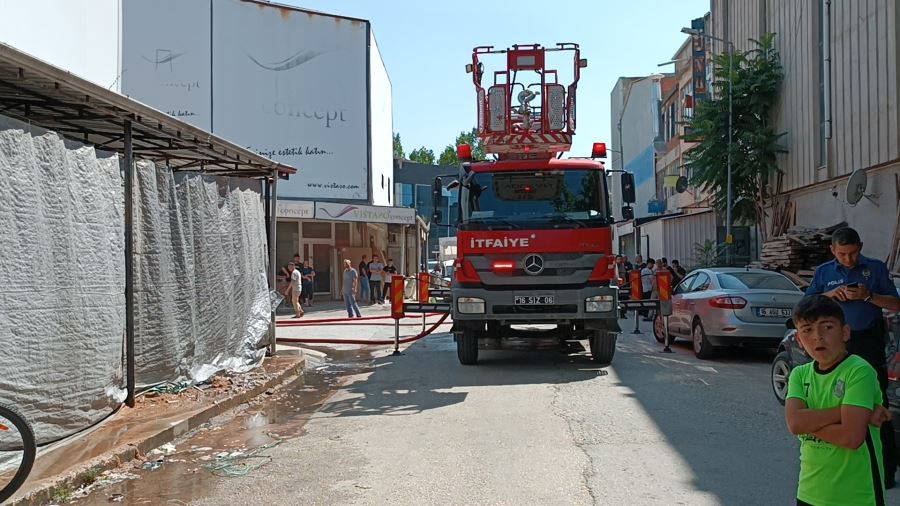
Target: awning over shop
[{"x": 367, "y": 214}]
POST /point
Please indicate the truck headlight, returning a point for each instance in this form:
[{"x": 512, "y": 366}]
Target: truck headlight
[
  {"x": 599, "y": 304},
  {"x": 470, "y": 305}
]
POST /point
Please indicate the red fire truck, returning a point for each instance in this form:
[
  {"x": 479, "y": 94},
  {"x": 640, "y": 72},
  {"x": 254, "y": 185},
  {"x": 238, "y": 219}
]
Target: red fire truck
[{"x": 534, "y": 236}]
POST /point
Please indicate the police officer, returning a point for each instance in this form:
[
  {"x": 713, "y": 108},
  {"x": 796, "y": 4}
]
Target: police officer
[{"x": 863, "y": 287}]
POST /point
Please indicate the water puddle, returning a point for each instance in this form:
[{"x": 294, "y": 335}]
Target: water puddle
[{"x": 189, "y": 468}]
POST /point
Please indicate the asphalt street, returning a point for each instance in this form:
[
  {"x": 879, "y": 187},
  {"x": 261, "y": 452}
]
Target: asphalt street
[{"x": 532, "y": 425}]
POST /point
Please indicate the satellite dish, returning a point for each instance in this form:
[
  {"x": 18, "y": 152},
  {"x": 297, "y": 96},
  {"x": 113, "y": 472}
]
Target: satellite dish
[
  {"x": 681, "y": 185},
  {"x": 856, "y": 186}
]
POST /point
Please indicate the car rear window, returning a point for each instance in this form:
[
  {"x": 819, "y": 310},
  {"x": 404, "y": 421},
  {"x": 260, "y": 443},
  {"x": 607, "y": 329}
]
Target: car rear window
[{"x": 755, "y": 281}]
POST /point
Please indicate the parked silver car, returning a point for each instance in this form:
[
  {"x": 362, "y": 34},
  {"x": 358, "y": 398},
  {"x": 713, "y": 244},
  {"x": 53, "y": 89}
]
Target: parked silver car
[{"x": 730, "y": 307}]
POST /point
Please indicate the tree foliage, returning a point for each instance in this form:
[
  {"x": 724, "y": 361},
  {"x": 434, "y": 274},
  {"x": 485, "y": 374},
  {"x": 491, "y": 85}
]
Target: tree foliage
[
  {"x": 398, "y": 147},
  {"x": 448, "y": 155},
  {"x": 756, "y": 79},
  {"x": 422, "y": 155}
]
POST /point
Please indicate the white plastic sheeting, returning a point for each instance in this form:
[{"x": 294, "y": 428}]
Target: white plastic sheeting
[
  {"x": 201, "y": 294},
  {"x": 62, "y": 282}
]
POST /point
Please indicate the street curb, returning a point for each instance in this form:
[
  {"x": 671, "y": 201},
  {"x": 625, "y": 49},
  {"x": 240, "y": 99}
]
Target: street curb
[{"x": 75, "y": 477}]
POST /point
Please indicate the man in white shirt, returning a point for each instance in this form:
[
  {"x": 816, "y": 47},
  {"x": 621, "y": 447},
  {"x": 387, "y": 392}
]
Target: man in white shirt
[
  {"x": 296, "y": 288},
  {"x": 647, "y": 276},
  {"x": 377, "y": 271}
]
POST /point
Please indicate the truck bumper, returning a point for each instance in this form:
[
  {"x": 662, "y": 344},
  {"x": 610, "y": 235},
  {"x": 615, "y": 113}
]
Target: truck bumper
[{"x": 569, "y": 307}]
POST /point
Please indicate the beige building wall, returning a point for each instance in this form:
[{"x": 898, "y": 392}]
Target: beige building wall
[{"x": 865, "y": 120}]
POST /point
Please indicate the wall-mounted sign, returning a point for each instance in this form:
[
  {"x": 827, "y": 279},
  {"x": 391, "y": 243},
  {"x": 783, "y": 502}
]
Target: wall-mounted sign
[
  {"x": 368, "y": 214},
  {"x": 698, "y": 62},
  {"x": 295, "y": 209}
]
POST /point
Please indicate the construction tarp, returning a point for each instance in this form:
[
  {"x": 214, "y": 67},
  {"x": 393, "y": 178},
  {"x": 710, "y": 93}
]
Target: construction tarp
[
  {"x": 62, "y": 280},
  {"x": 201, "y": 293}
]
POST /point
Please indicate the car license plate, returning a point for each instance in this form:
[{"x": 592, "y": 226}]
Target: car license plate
[
  {"x": 533, "y": 300},
  {"x": 773, "y": 312}
]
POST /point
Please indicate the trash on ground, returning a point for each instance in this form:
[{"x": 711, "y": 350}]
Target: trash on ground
[
  {"x": 116, "y": 498},
  {"x": 242, "y": 463},
  {"x": 166, "y": 449}
]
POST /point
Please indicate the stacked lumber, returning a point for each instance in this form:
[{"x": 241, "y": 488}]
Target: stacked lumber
[{"x": 799, "y": 249}]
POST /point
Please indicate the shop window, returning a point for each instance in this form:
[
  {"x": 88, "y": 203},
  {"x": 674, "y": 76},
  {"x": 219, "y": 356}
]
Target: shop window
[
  {"x": 341, "y": 234},
  {"x": 316, "y": 230}
]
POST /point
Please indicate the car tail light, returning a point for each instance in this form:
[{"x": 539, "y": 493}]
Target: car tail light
[{"x": 728, "y": 302}]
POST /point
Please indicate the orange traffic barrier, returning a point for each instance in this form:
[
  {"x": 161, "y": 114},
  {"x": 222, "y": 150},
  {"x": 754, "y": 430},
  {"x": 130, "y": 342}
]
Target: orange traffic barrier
[
  {"x": 664, "y": 284},
  {"x": 397, "y": 297},
  {"x": 424, "y": 282},
  {"x": 636, "y": 284}
]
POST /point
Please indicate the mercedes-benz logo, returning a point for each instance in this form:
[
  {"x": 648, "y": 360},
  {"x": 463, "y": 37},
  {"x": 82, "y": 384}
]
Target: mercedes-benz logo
[{"x": 534, "y": 264}]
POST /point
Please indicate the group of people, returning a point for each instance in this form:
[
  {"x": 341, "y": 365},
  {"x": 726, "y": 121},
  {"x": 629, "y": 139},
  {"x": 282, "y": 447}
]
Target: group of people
[
  {"x": 299, "y": 290},
  {"x": 370, "y": 281},
  {"x": 648, "y": 272}
]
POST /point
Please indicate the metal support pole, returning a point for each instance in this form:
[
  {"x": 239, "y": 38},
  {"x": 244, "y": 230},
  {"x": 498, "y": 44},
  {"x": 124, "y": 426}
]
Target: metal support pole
[
  {"x": 666, "y": 349},
  {"x": 729, "y": 238},
  {"x": 396, "y": 338},
  {"x": 273, "y": 218},
  {"x": 637, "y": 325},
  {"x": 129, "y": 266}
]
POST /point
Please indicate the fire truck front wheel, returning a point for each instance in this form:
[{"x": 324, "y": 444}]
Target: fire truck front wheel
[
  {"x": 467, "y": 347},
  {"x": 603, "y": 346}
]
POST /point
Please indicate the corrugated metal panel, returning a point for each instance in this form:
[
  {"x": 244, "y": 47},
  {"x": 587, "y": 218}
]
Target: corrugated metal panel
[{"x": 680, "y": 235}]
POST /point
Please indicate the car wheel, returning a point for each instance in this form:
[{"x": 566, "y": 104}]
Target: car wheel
[
  {"x": 702, "y": 348},
  {"x": 467, "y": 347},
  {"x": 659, "y": 331},
  {"x": 781, "y": 371}
]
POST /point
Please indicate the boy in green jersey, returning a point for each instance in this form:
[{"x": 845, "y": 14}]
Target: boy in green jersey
[{"x": 834, "y": 406}]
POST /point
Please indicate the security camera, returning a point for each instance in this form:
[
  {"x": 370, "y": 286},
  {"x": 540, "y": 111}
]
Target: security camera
[{"x": 834, "y": 192}]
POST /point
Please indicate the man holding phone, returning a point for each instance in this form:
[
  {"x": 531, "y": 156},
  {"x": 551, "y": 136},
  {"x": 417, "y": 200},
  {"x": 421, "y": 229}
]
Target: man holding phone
[{"x": 863, "y": 287}]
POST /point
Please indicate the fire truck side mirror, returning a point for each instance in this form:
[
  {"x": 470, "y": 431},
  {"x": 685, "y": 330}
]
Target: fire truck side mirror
[
  {"x": 436, "y": 194},
  {"x": 627, "y": 213},
  {"x": 628, "y": 188}
]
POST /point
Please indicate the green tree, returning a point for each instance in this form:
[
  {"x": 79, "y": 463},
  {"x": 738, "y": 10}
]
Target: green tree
[
  {"x": 398, "y": 147},
  {"x": 422, "y": 155},
  {"x": 756, "y": 79},
  {"x": 448, "y": 155}
]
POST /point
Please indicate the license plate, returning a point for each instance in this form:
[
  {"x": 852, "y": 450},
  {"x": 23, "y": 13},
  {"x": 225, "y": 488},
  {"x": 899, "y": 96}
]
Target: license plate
[
  {"x": 773, "y": 312},
  {"x": 533, "y": 300}
]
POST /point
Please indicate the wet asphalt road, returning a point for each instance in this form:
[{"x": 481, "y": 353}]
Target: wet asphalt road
[{"x": 533, "y": 426}]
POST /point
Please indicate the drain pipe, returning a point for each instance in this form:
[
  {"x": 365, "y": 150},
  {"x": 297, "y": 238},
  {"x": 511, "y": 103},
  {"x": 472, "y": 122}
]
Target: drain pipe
[{"x": 826, "y": 81}]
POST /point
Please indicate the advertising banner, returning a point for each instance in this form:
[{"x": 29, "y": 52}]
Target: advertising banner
[{"x": 368, "y": 214}]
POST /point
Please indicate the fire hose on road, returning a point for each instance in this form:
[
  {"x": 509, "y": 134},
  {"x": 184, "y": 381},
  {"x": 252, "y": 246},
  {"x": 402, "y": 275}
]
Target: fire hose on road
[{"x": 379, "y": 342}]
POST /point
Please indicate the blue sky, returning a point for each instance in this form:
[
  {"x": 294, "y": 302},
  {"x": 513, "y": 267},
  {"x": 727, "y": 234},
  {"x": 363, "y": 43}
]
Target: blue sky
[{"x": 426, "y": 45}]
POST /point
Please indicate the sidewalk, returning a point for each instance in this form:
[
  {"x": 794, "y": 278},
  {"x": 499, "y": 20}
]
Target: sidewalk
[{"x": 131, "y": 433}]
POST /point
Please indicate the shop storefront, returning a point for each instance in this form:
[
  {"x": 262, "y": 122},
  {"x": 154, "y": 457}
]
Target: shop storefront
[{"x": 325, "y": 233}]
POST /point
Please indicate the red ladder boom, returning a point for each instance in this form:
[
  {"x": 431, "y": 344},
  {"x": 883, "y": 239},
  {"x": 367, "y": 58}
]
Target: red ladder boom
[{"x": 526, "y": 130}]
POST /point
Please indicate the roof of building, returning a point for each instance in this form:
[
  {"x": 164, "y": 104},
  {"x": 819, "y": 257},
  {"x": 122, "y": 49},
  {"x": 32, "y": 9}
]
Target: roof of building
[{"x": 35, "y": 92}]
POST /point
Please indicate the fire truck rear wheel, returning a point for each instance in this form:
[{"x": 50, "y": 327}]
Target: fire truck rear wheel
[
  {"x": 467, "y": 347},
  {"x": 603, "y": 346}
]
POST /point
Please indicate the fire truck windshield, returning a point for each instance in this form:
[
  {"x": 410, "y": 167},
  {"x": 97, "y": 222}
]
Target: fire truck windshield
[{"x": 534, "y": 199}]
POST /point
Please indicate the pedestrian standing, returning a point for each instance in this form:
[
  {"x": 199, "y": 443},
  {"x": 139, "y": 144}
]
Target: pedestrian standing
[
  {"x": 647, "y": 276},
  {"x": 376, "y": 276},
  {"x": 349, "y": 289},
  {"x": 363, "y": 279},
  {"x": 628, "y": 265},
  {"x": 639, "y": 262},
  {"x": 309, "y": 278},
  {"x": 679, "y": 270},
  {"x": 863, "y": 287},
  {"x": 834, "y": 406},
  {"x": 389, "y": 271},
  {"x": 296, "y": 289}
]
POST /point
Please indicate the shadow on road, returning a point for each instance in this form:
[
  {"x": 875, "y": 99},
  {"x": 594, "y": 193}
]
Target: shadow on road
[
  {"x": 720, "y": 415},
  {"x": 437, "y": 382}
]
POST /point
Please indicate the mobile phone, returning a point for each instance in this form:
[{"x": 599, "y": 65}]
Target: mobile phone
[{"x": 853, "y": 285}]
